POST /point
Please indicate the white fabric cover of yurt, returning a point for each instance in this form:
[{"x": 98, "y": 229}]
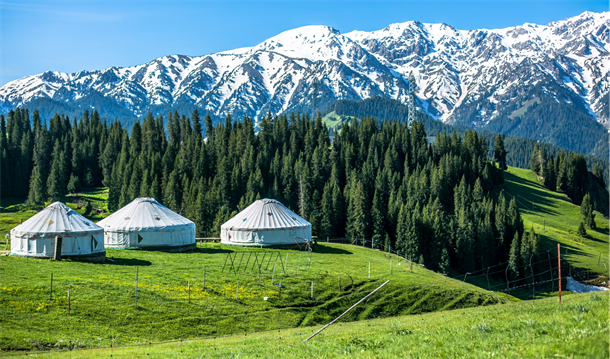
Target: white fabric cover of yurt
[
  {"x": 146, "y": 223},
  {"x": 36, "y": 236},
  {"x": 266, "y": 222}
]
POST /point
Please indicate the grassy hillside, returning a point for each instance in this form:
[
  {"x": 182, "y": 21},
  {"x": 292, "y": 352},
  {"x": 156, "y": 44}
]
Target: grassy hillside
[
  {"x": 577, "y": 328},
  {"x": 556, "y": 219},
  {"x": 103, "y": 311}
]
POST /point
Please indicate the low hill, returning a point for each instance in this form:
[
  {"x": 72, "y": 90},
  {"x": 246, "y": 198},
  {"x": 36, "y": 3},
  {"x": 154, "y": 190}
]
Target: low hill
[
  {"x": 578, "y": 327},
  {"x": 172, "y": 302},
  {"x": 556, "y": 219}
]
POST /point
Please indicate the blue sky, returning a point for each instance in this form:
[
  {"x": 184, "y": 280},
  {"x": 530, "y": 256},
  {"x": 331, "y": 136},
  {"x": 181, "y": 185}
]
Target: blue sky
[{"x": 69, "y": 36}]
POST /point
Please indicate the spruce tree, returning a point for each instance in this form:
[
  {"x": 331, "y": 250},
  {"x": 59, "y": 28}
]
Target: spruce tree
[
  {"x": 535, "y": 160},
  {"x": 562, "y": 173},
  {"x": 500, "y": 152},
  {"x": 586, "y": 209},
  {"x": 55, "y": 187},
  {"x": 444, "y": 264},
  {"x": 196, "y": 123},
  {"x": 514, "y": 256},
  {"x": 327, "y": 217},
  {"x": 582, "y": 231},
  {"x": 378, "y": 217},
  {"x": 598, "y": 173},
  {"x": 114, "y": 189},
  {"x": 477, "y": 192},
  {"x": 73, "y": 184},
  {"x": 550, "y": 177},
  {"x": 171, "y": 195},
  {"x": 357, "y": 212},
  {"x": 37, "y": 194}
]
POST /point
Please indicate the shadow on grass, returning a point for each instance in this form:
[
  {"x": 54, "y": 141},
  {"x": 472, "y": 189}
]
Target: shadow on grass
[
  {"x": 320, "y": 248},
  {"x": 549, "y": 244},
  {"x": 211, "y": 250},
  {"x": 124, "y": 262},
  {"x": 532, "y": 195},
  {"x": 593, "y": 239}
]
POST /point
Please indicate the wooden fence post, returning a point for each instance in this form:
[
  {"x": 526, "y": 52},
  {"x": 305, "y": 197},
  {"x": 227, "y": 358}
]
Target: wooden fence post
[
  {"x": 136, "y": 303},
  {"x": 559, "y": 268}
]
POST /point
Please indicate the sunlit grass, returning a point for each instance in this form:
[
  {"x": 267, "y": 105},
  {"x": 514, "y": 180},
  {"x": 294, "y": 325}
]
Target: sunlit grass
[
  {"x": 556, "y": 219},
  {"x": 577, "y": 328}
]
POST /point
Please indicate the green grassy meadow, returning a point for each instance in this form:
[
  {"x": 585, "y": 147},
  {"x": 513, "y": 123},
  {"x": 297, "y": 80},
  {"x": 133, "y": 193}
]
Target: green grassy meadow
[
  {"x": 103, "y": 311},
  {"x": 556, "y": 219},
  {"x": 576, "y": 328}
]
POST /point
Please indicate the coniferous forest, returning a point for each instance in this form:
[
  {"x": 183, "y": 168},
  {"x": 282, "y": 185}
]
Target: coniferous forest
[{"x": 379, "y": 180}]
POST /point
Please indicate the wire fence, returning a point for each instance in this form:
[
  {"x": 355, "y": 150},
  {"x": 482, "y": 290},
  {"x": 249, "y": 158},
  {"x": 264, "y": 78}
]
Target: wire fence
[
  {"x": 503, "y": 278},
  {"x": 254, "y": 300}
]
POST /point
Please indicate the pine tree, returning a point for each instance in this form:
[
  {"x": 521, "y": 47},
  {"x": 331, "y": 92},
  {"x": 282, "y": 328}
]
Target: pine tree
[
  {"x": 500, "y": 152},
  {"x": 477, "y": 192},
  {"x": 357, "y": 213},
  {"x": 598, "y": 173},
  {"x": 114, "y": 190},
  {"x": 582, "y": 231},
  {"x": 209, "y": 128},
  {"x": 378, "y": 216},
  {"x": 464, "y": 247},
  {"x": 37, "y": 194},
  {"x": 55, "y": 187},
  {"x": 444, "y": 264},
  {"x": 327, "y": 220},
  {"x": 171, "y": 194},
  {"x": 586, "y": 209},
  {"x": 535, "y": 160},
  {"x": 315, "y": 216},
  {"x": 196, "y": 123},
  {"x": 550, "y": 177},
  {"x": 562, "y": 173},
  {"x": 514, "y": 256},
  {"x": 73, "y": 184},
  {"x": 542, "y": 160}
]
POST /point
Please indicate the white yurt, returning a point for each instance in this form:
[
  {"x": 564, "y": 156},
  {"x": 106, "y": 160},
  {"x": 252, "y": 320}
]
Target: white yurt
[
  {"x": 80, "y": 237},
  {"x": 266, "y": 222},
  {"x": 146, "y": 223}
]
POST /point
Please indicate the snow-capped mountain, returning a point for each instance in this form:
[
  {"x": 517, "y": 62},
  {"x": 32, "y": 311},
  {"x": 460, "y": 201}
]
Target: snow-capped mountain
[{"x": 471, "y": 76}]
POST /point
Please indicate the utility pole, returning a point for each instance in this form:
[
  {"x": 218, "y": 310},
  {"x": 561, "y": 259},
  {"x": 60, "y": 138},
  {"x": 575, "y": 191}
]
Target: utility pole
[{"x": 411, "y": 99}]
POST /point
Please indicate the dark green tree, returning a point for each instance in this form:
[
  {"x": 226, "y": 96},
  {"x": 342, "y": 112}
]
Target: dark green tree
[
  {"x": 500, "y": 152},
  {"x": 582, "y": 231},
  {"x": 586, "y": 209}
]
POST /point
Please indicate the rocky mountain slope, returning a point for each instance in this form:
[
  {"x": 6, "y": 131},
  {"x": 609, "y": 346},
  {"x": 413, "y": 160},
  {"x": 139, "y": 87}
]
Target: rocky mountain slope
[{"x": 476, "y": 77}]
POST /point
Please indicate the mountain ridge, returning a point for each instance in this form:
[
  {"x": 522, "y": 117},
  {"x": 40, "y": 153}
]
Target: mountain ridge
[{"x": 469, "y": 77}]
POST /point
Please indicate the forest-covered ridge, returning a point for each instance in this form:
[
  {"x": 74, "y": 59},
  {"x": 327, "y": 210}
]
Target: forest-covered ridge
[
  {"x": 518, "y": 149},
  {"x": 378, "y": 180}
]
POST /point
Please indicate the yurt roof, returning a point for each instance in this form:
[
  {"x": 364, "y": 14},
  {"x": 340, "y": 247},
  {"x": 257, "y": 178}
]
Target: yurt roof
[
  {"x": 57, "y": 218},
  {"x": 143, "y": 213},
  {"x": 265, "y": 214}
]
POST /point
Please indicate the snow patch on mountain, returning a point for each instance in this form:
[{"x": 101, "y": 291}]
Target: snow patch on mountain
[{"x": 460, "y": 75}]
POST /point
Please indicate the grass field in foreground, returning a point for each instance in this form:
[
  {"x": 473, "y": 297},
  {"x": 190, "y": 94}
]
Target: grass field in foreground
[
  {"x": 556, "y": 219},
  {"x": 577, "y": 328},
  {"x": 103, "y": 295}
]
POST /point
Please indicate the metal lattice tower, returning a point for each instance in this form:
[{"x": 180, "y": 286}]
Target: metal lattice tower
[
  {"x": 315, "y": 84},
  {"x": 411, "y": 99}
]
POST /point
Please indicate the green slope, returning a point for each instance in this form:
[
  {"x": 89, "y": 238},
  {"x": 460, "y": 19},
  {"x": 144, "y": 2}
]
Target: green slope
[
  {"x": 577, "y": 328},
  {"x": 556, "y": 219},
  {"x": 103, "y": 295}
]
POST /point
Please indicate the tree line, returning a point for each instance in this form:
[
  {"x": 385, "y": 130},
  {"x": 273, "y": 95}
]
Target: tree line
[{"x": 379, "y": 180}]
